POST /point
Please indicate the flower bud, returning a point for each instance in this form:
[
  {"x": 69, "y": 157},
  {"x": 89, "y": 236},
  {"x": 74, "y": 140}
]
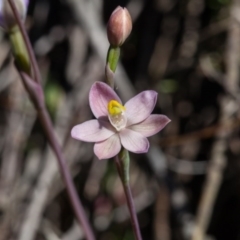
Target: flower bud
[
  {"x": 119, "y": 26},
  {"x": 7, "y": 19}
]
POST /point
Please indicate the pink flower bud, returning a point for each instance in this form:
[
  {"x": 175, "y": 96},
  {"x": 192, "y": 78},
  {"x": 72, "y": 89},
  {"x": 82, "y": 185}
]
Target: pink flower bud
[
  {"x": 119, "y": 26},
  {"x": 7, "y": 19}
]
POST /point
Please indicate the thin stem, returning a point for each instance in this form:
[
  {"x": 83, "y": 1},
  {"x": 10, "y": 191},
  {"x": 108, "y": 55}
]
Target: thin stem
[
  {"x": 130, "y": 202},
  {"x": 48, "y": 128},
  {"x": 123, "y": 162},
  {"x": 113, "y": 57},
  {"x": 74, "y": 199},
  {"x": 37, "y": 76}
]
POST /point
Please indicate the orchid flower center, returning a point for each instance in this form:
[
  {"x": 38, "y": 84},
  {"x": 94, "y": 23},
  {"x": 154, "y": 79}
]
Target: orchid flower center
[{"x": 116, "y": 114}]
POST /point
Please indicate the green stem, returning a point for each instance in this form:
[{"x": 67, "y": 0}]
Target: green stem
[
  {"x": 125, "y": 163},
  {"x": 113, "y": 57},
  {"x": 19, "y": 50},
  {"x": 111, "y": 64},
  {"x": 122, "y": 160}
]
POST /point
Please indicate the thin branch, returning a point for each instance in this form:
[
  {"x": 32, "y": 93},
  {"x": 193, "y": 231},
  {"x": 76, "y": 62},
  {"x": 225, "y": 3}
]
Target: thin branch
[
  {"x": 43, "y": 193},
  {"x": 74, "y": 199},
  {"x": 48, "y": 128},
  {"x": 130, "y": 203}
]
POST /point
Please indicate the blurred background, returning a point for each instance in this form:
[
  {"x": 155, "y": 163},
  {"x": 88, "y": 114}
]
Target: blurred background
[{"x": 188, "y": 185}]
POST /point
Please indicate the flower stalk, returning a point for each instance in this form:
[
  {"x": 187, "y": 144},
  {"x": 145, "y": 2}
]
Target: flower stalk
[
  {"x": 35, "y": 92},
  {"x": 111, "y": 64},
  {"x": 113, "y": 57},
  {"x": 122, "y": 162}
]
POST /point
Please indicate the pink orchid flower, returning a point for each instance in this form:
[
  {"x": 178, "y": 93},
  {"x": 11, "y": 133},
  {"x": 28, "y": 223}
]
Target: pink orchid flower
[{"x": 117, "y": 125}]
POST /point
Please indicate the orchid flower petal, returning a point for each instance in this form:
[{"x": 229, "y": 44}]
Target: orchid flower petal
[
  {"x": 140, "y": 107},
  {"x": 152, "y": 125},
  {"x": 133, "y": 141},
  {"x": 108, "y": 148},
  {"x": 92, "y": 131},
  {"x": 99, "y": 97}
]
